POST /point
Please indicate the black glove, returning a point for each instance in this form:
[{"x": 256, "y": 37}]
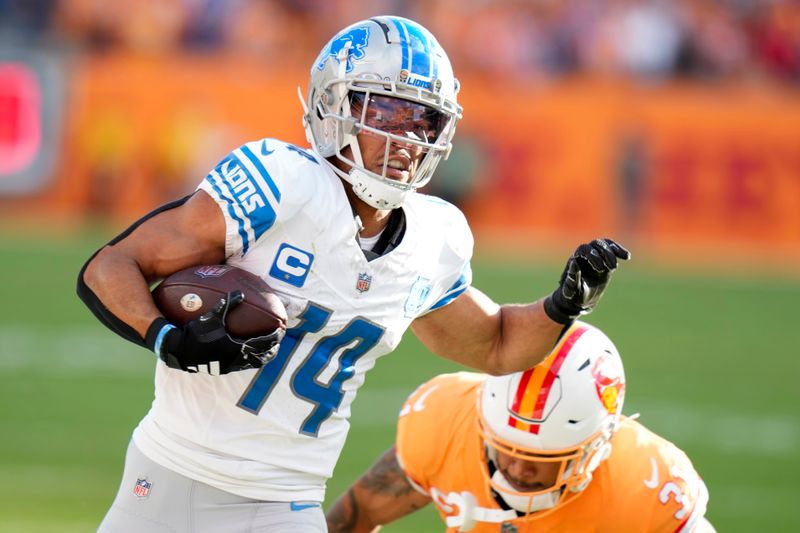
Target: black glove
[
  {"x": 203, "y": 345},
  {"x": 584, "y": 279}
]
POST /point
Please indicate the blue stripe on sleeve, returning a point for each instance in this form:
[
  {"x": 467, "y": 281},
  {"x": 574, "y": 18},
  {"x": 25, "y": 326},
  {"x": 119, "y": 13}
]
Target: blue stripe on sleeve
[
  {"x": 252, "y": 200},
  {"x": 461, "y": 285},
  {"x": 263, "y": 171},
  {"x": 231, "y": 210}
]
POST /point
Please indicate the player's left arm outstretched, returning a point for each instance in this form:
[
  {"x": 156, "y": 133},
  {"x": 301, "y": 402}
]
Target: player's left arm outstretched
[
  {"x": 475, "y": 331},
  {"x": 382, "y": 495}
]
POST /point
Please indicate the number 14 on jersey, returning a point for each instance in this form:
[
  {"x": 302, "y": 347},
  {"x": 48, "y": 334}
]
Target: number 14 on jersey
[{"x": 360, "y": 335}]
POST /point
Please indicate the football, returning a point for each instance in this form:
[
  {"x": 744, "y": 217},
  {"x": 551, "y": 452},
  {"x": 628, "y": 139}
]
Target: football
[{"x": 187, "y": 294}]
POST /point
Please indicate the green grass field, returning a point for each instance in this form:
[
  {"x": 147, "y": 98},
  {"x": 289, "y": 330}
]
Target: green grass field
[{"x": 712, "y": 364}]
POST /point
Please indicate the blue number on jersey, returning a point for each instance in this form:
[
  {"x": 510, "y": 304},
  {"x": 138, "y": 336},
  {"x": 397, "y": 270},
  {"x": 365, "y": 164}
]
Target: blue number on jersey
[{"x": 326, "y": 398}]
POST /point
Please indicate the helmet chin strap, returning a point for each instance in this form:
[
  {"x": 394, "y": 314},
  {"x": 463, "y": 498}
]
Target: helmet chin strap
[
  {"x": 366, "y": 188},
  {"x": 376, "y": 193},
  {"x": 598, "y": 457}
]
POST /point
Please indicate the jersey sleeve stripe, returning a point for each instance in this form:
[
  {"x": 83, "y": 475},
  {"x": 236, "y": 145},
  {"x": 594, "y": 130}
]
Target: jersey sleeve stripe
[
  {"x": 251, "y": 197},
  {"x": 231, "y": 210},
  {"x": 411, "y": 481},
  {"x": 461, "y": 285},
  {"x": 239, "y": 187},
  {"x": 263, "y": 171},
  {"x": 698, "y": 510}
]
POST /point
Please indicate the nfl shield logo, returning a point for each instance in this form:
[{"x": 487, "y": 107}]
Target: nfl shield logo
[
  {"x": 142, "y": 488},
  {"x": 212, "y": 271},
  {"x": 364, "y": 281}
]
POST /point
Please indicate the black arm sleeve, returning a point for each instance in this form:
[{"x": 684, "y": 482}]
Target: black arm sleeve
[{"x": 90, "y": 299}]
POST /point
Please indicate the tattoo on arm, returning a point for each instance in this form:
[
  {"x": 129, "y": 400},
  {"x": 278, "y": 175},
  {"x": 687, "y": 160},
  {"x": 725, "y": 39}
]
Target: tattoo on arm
[
  {"x": 386, "y": 477},
  {"x": 387, "y": 482},
  {"x": 343, "y": 516},
  {"x": 381, "y": 495}
]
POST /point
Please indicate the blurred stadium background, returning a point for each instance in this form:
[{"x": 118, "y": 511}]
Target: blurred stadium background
[{"x": 671, "y": 125}]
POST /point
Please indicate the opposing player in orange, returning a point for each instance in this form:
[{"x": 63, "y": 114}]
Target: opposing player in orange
[{"x": 543, "y": 450}]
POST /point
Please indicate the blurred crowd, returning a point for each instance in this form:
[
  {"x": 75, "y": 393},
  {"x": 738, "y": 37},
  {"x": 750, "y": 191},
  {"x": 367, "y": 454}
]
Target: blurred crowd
[{"x": 647, "y": 39}]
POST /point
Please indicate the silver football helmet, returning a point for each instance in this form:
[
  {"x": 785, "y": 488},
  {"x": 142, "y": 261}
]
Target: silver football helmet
[
  {"x": 564, "y": 410},
  {"x": 388, "y": 77}
]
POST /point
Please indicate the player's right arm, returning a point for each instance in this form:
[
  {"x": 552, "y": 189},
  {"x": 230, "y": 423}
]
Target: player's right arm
[
  {"x": 382, "y": 495},
  {"x": 119, "y": 275},
  {"x": 237, "y": 203}
]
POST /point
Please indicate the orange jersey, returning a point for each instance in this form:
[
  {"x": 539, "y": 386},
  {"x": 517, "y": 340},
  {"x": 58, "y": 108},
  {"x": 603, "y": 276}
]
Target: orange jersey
[{"x": 646, "y": 485}]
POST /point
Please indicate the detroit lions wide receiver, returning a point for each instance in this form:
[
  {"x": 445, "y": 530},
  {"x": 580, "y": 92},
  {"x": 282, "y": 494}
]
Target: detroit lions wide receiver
[{"x": 357, "y": 257}]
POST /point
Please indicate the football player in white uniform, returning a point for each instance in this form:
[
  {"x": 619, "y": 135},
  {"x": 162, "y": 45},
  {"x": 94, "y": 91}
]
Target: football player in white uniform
[{"x": 356, "y": 255}]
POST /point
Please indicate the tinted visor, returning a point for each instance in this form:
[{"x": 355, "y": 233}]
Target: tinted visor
[{"x": 398, "y": 116}]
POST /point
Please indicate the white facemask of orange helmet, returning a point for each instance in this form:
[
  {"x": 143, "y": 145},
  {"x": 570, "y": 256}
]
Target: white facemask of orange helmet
[{"x": 565, "y": 411}]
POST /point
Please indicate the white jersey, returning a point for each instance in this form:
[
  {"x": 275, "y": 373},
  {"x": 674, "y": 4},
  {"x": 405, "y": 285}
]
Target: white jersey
[{"x": 277, "y": 432}]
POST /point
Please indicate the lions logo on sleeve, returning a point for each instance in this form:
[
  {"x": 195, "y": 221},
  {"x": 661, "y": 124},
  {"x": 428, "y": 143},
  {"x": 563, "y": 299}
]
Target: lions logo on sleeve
[{"x": 247, "y": 194}]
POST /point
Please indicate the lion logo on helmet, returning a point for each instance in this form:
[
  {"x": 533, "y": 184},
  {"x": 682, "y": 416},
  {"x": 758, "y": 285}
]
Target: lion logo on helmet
[{"x": 357, "y": 38}]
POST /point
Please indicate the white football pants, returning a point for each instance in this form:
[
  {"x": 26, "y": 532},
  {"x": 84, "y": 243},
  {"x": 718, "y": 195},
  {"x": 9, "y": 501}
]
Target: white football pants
[{"x": 154, "y": 499}]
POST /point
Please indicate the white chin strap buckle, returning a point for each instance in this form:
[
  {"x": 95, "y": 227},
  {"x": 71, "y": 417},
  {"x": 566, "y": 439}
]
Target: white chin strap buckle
[
  {"x": 376, "y": 193},
  {"x": 470, "y": 513}
]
